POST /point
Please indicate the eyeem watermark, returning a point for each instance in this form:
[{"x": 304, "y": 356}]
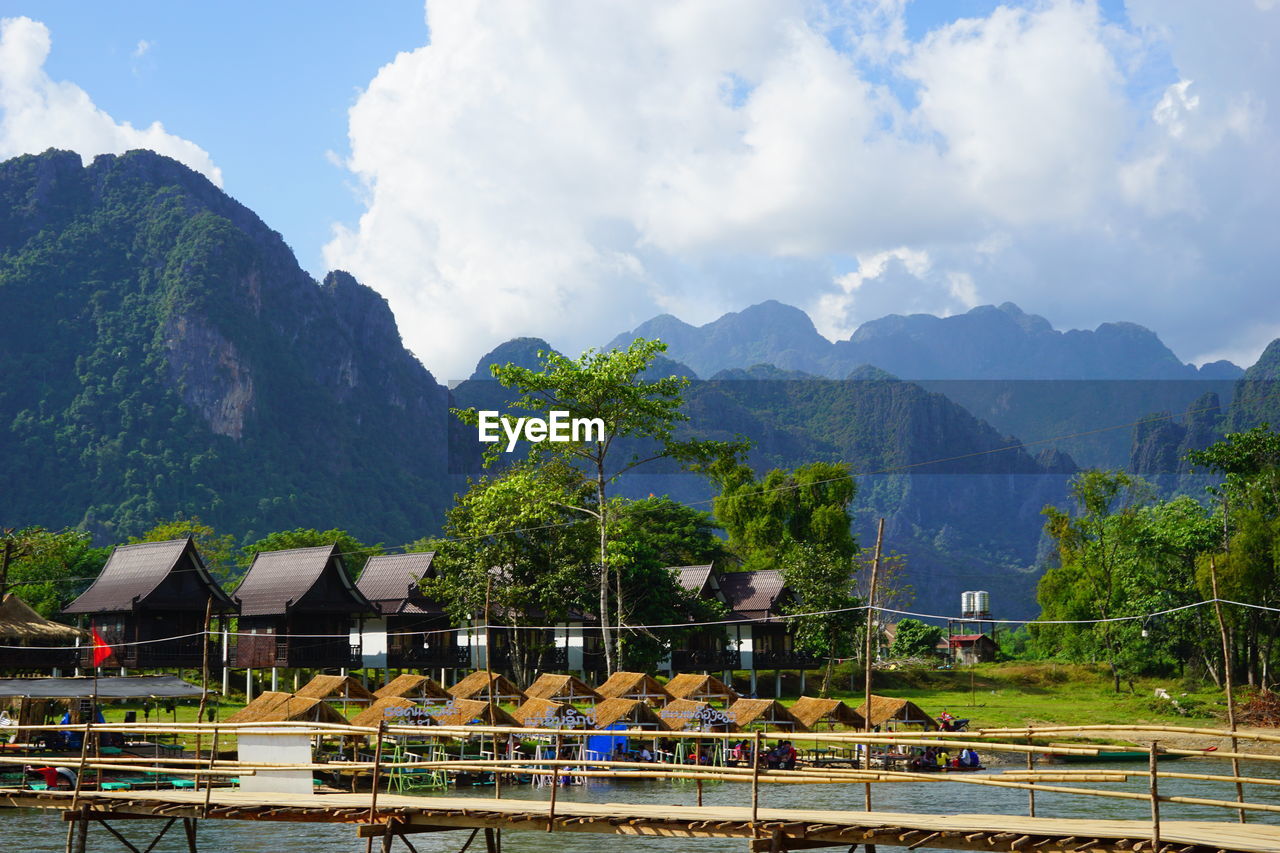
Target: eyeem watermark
[{"x": 557, "y": 426}]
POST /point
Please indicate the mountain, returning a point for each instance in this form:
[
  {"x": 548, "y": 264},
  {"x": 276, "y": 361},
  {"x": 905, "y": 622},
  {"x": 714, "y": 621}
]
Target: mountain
[
  {"x": 164, "y": 353},
  {"x": 987, "y": 342}
]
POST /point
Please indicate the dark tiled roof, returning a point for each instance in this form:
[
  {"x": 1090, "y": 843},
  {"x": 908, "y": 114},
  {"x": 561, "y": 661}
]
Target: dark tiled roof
[
  {"x": 278, "y": 579},
  {"x": 390, "y": 580},
  {"x": 135, "y": 571},
  {"x": 692, "y": 578},
  {"x": 752, "y": 593}
]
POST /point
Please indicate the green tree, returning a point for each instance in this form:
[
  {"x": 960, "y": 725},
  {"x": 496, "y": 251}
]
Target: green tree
[
  {"x": 822, "y": 581},
  {"x": 767, "y": 518},
  {"x": 514, "y": 542},
  {"x": 354, "y": 552},
  {"x": 218, "y": 552},
  {"x": 640, "y": 414},
  {"x": 914, "y": 638},
  {"x": 648, "y": 537},
  {"x": 1097, "y": 552},
  {"x": 47, "y": 569}
]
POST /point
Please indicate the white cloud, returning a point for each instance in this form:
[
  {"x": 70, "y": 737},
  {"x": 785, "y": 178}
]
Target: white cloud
[
  {"x": 141, "y": 49},
  {"x": 37, "y": 112},
  {"x": 568, "y": 169}
]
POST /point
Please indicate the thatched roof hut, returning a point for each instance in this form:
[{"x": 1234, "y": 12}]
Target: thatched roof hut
[
  {"x": 478, "y": 685},
  {"x": 702, "y": 688},
  {"x": 635, "y": 713},
  {"x": 394, "y": 711},
  {"x": 336, "y": 688},
  {"x": 274, "y": 707},
  {"x": 20, "y": 624},
  {"x": 540, "y": 713},
  {"x": 409, "y": 686},
  {"x": 567, "y": 687},
  {"x": 682, "y": 714},
  {"x": 464, "y": 712},
  {"x": 634, "y": 685},
  {"x": 886, "y": 710},
  {"x": 811, "y": 711},
  {"x": 766, "y": 713}
]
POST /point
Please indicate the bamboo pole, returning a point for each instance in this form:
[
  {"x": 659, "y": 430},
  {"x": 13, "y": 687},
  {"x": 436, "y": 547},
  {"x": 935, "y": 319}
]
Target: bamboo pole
[
  {"x": 1227, "y": 679},
  {"x": 1031, "y": 794},
  {"x": 373, "y": 795},
  {"x": 755, "y": 781},
  {"x": 204, "y": 667},
  {"x": 555, "y": 785},
  {"x": 1155, "y": 799},
  {"x": 213, "y": 757},
  {"x": 867, "y": 659}
]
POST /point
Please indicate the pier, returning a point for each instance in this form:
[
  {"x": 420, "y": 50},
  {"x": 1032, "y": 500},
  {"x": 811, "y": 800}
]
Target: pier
[{"x": 393, "y": 820}]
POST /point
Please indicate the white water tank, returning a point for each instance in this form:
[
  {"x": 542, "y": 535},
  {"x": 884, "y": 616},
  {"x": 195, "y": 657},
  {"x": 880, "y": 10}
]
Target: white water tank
[
  {"x": 975, "y": 604},
  {"x": 966, "y": 604},
  {"x": 982, "y": 603}
]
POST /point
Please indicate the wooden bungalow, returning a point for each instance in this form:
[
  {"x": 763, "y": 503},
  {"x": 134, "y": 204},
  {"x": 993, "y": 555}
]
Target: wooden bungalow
[
  {"x": 766, "y": 714},
  {"x": 149, "y": 602},
  {"x": 703, "y": 688},
  {"x": 480, "y": 684},
  {"x": 565, "y": 687},
  {"x": 548, "y": 713},
  {"x": 766, "y": 642},
  {"x": 464, "y": 712},
  {"x": 26, "y": 639},
  {"x": 418, "y": 687},
  {"x": 633, "y": 713},
  {"x": 634, "y": 685},
  {"x": 276, "y": 707},
  {"x": 395, "y": 711},
  {"x": 703, "y": 648},
  {"x": 812, "y": 711},
  {"x": 689, "y": 715},
  {"x": 892, "y": 713},
  {"x": 409, "y": 630},
  {"x": 297, "y": 609}
]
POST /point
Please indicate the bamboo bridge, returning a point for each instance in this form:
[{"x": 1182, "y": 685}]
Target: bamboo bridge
[{"x": 391, "y": 818}]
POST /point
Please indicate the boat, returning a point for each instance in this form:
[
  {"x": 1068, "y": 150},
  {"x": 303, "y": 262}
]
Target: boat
[{"x": 1112, "y": 755}]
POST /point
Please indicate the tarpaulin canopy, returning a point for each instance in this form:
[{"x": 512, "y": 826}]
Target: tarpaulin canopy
[{"x": 114, "y": 687}]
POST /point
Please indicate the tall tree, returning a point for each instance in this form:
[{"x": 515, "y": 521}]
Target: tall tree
[
  {"x": 640, "y": 413},
  {"x": 47, "y": 569},
  {"x": 822, "y": 581},
  {"x": 768, "y": 517},
  {"x": 513, "y": 543}
]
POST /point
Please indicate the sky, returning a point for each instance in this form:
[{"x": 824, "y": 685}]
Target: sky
[{"x": 567, "y": 169}]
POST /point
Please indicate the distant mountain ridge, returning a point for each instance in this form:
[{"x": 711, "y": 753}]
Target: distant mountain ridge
[{"x": 987, "y": 342}]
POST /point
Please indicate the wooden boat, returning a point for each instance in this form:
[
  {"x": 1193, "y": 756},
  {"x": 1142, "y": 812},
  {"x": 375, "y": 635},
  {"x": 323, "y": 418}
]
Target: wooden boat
[{"x": 1113, "y": 755}]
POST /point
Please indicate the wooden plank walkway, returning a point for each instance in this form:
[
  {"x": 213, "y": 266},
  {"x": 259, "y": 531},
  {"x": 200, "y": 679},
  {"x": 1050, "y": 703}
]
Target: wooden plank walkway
[{"x": 773, "y": 829}]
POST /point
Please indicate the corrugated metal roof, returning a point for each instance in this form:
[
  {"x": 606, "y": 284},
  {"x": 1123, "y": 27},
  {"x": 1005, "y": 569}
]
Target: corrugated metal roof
[
  {"x": 278, "y": 579},
  {"x": 692, "y": 578},
  {"x": 133, "y": 572},
  {"x": 393, "y": 578},
  {"x": 752, "y": 593}
]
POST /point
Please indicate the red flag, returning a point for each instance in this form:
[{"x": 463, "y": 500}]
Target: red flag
[{"x": 101, "y": 651}]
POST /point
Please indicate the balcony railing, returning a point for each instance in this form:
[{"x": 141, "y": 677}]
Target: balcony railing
[
  {"x": 784, "y": 659},
  {"x": 687, "y": 659},
  {"x": 39, "y": 659},
  {"x": 183, "y": 652},
  {"x": 548, "y": 660},
  {"x": 445, "y": 657}
]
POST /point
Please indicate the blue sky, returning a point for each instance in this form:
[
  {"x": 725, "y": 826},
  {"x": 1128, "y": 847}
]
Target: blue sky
[
  {"x": 569, "y": 168},
  {"x": 263, "y": 87}
]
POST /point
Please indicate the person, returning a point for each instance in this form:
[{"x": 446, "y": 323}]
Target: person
[
  {"x": 943, "y": 758},
  {"x": 738, "y": 750},
  {"x": 54, "y": 777},
  {"x": 773, "y": 756},
  {"x": 787, "y": 758},
  {"x": 969, "y": 758},
  {"x": 645, "y": 754}
]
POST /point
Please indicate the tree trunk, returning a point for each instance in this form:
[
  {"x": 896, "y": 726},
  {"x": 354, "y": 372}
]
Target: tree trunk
[{"x": 606, "y": 636}]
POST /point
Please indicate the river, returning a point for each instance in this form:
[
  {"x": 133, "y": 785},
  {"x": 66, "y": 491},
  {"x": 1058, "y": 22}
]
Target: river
[{"x": 42, "y": 832}]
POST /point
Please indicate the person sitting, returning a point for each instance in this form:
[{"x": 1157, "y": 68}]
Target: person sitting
[
  {"x": 645, "y": 754},
  {"x": 787, "y": 756},
  {"x": 943, "y": 758},
  {"x": 773, "y": 756},
  {"x": 969, "y": 758}
]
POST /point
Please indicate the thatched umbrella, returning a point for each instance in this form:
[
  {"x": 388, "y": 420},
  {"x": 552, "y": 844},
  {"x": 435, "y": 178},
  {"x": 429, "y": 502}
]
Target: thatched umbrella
[
  {"x": 688, "y": 685},
  {"x": 886, "y": 709},
  {"x": 566, "y": 687},
  {"x": 767, "y": 713},
  {"x": 481, "y": 683},
  {"x": 409, "y": 686},
  {"x": 635, "y": 712},
  {"x": 681, "y": 714},
  {"x": 634, "y": 685},
  {"x": 810, "y": 711}
]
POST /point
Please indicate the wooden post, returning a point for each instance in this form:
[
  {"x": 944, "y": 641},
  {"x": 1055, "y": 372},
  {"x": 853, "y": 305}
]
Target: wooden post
[
  {"x": 189, "y": 827},
  {"x": 377, "y": 772},
  {"x": 755, "y": 779},
  {"x": 1155, "y": 799},
  {"x": 1227, "y": 682},
  {"x": 555, "y": 782},
  {"x": 868, "y": 654},
  {"x": 697, "y": 762},
  {"x": 213, "y": 756},
  {"x": 82, "y": 829},
  {"x": 488, "y": 670},
  {"x": 204, "y": 671},
  {"x": 1031, "y": 765}
]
